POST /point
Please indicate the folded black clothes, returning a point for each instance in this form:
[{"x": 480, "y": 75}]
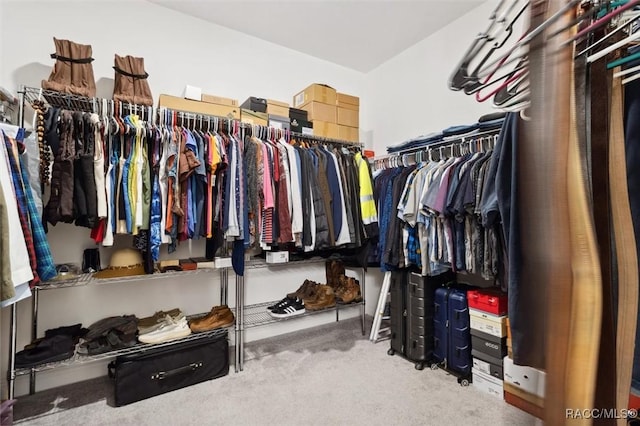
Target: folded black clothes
[
  {"x": 75, "y": 330},
  {"x": 492, "y": 116},
  {"x": 48, "y": 349},
  {"x": 109, "y": 334}
]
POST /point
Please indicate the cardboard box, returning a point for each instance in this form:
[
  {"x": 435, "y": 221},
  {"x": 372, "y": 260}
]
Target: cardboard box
[
  {"x": 347, "y": 101},
  {"x": 488, "y": 384},
  {"x": 348, "y": 117},
  {"x": 213, "y": 99},
  {"x": 485, "y": 367},
  {"x": 297, "y": 126},
  {"x": 349, "y": 134},
  {"x": 487, "y": 323},
  {"x": 489, "y": 347},
  {"x": 526, "y": 378},
  {"x": 192, "y": 92},
  {"x": 527, "y": 396},
  {"x": 198, "y": 107},
  {"x": 255, "y": 104},
  {"x": 325, "y": 129},
  {"x": 315, "y": 93},
  {"x": 254, "y": 118},
  {"x": 278, "y": 122},
  {"x": 277, "y": 256},
  {"x": 318, "y": 111},
  {"x": 277, "y": 108}
]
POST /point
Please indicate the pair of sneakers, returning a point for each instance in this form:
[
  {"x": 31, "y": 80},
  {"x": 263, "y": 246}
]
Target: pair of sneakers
[
  {"x": 287, "y": 307},
  {"x": 170, "y": 328}
]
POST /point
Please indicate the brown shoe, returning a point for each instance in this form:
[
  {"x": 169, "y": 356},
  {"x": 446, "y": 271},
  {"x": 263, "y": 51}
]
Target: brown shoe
[
  {"x": 349, "y": 292},
  {"x": 303, "y": 291},
  {"x": 325, "y": 298},
  {"x": 334, "y": 269},
  {"x": 151, "y": 323},
  {"x": 214, "y": 319}
]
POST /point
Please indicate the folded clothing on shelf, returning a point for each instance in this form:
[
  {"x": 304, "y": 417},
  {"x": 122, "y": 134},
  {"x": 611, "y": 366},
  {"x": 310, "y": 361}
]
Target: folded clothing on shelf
[
  {"x": 48, "y": 349},
  {"x": 109, "y": 334},
  {"x": 57, "y": 344}
]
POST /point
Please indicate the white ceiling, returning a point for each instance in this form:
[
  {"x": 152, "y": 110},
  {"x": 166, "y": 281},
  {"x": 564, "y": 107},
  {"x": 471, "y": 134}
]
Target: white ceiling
[{"x": 356, "y": 34}]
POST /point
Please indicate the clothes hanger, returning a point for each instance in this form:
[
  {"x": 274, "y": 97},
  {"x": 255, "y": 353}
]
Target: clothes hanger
[
  {"x": 602, "y": 21},
  {"x": 461, "y": 77},
  {"x": 474, "y": 85},
  {"x": 604, "y": 52},
  {"x": 610, "y": 34},
  {"x": 525, "y": 41}
]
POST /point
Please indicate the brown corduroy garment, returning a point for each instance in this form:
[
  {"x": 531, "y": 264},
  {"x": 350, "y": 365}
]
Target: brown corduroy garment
[
  {"x": 131, "y": 84},
  {"x": 72, "y": 72}
]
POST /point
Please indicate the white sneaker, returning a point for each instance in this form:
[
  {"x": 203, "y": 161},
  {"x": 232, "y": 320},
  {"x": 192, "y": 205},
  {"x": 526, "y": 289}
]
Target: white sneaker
[{"x": 171, "y": 329}]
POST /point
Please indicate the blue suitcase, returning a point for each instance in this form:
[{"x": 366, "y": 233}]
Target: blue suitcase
[
  {"x": 459, "y": 333},
  {"x": 440, "y": 325},
  {"x": 452, "y": 333}
]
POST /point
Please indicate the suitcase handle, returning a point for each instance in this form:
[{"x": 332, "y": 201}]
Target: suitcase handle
[{"x": 161, "y": 375}]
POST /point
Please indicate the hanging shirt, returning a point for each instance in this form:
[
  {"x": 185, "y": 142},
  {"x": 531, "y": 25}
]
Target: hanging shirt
[
  {"x": 21, "y": 271},
  {"x": 163, "y": 183}
]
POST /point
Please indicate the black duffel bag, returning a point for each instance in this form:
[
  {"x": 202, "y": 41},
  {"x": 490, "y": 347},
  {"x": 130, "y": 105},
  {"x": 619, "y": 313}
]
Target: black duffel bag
[{"x": 166, "y": 368}]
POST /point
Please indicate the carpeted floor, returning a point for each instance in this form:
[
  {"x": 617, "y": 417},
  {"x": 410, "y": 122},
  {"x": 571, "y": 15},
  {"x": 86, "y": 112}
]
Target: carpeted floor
[{"x": 329, "y": 375}]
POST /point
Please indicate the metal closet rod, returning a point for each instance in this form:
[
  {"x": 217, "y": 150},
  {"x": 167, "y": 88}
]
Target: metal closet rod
[
  {"x": 62, "y": 100},
  {"x": 323, "y": 139},
  {"x": 441, "y": 144}
]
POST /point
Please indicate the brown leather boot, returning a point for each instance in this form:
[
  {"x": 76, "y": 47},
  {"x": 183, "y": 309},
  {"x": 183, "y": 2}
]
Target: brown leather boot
[
  {"x": 349, "y": 292},
  {"x": 302, "y": 291},
  {"x": 325, "y": 298},
  {"x": 131, "y": 81},
  {"x": 334, "y": 269},
  {"x": 72, "y": 72},
  {"x": 123, "y": 89},
  {"x": 214, "y": 319}
]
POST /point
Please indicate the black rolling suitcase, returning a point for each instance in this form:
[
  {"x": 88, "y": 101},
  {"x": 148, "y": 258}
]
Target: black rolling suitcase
[
  {"x": 398, "y": 323},
  {"x": 412, "y": 310},
  {"x": 167, "y": 368}
]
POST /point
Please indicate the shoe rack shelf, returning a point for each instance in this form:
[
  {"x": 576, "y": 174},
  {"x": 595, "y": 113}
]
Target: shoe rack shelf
[
  {"x": 257, "y": 315},
  {"x": 249, "y": 316},
  {"x": 78, "y": 359},
  {"x": 88, "y": 279}
]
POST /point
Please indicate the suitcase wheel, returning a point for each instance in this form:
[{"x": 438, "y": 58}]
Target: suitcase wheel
[
  {"x": 419, "y": 366},
  {"x": 464, "y": 382},
  {"x": 434, "y": 366},
  {"x": 391, "y": 352}
]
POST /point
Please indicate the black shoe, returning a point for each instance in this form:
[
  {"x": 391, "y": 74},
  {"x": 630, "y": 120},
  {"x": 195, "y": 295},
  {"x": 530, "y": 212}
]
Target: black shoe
[
  {"x": 293, "y": 308},
  {"x": 285, "y": 301},
  {"x": 49, "y": 349}
]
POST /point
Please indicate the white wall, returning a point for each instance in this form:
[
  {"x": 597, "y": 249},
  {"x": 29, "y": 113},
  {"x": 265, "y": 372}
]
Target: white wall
[
  {"x": 408, "y": 95},
  {"x": 178, "y": 50}
]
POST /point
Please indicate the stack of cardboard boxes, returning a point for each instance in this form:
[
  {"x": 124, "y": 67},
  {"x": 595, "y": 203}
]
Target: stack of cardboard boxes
[
  {"x": 334, "y": 115},
  {"x": 487, "y": 310},
  {"x": 317, "y": 110},
  {"x": 209, "y": 105},
  {"x": 348, "y": 117}
]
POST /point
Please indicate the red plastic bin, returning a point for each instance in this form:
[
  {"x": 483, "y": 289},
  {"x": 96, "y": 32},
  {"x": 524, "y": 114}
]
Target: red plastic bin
[{"x": 491, "y": 301}]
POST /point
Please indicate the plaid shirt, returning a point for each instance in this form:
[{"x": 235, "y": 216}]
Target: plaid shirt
[{"x": 45, "y": 265}]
